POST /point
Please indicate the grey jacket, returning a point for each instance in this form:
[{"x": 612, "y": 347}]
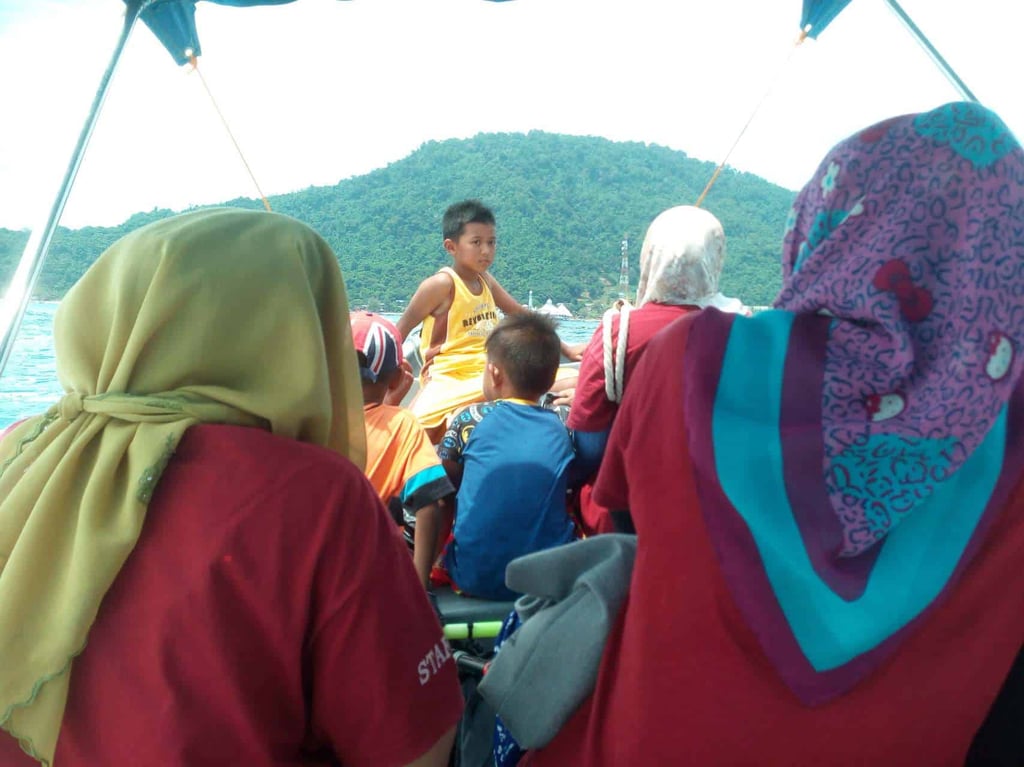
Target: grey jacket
[{"x": 573, "y": 595}]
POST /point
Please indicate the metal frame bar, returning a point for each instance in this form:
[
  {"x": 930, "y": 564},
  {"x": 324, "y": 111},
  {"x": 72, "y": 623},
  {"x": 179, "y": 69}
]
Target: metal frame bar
[
  {"x": 16, "y": 300},
  {"x": 930, "y": 49}
]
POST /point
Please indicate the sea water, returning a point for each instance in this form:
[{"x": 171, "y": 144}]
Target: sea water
[{"x": 28, "y": 384}]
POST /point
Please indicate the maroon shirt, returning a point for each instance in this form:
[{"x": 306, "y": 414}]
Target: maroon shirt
[
  {"x": 591, "y": 410},
  {"x": 269, "y": 615},
  {"x": 683, "y": 679}
]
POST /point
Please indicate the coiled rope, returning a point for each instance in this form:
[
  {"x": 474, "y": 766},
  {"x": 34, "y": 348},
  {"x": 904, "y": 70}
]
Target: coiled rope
[{"x": 615, "y": 353}]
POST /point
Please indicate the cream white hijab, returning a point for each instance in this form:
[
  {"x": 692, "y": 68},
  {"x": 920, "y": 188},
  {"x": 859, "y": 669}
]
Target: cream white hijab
[
  {"x": 217, "y": 316},
  {"x": 681, "y": 260}
]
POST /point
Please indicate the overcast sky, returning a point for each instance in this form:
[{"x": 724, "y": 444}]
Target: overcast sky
[{"x": 321, "y": 90}]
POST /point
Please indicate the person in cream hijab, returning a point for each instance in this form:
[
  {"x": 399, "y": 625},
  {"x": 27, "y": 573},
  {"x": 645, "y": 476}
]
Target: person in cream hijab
[
  {"x": 829, "y": 495},
  {"x": 187, "y": 544},
  {"x": 680, "y": 263}
]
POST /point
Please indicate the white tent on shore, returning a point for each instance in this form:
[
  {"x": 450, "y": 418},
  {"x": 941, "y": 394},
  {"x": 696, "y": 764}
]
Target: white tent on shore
[{"x": 551, "y": 309}]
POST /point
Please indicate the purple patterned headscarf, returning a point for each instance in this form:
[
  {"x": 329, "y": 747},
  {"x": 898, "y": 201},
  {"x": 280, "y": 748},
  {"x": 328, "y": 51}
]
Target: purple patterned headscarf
[{"x": 911, "y": 234}]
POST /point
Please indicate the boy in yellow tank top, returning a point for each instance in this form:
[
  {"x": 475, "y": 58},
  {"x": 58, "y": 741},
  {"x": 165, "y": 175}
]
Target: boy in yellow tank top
[{"x": 458, "y": 307}]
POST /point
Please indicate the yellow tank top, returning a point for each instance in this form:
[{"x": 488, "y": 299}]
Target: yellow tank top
[{"x": 453, "y": 344}]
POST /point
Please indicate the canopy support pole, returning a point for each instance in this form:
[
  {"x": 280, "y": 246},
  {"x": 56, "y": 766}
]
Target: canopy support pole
[
  {"x": 935, "y": 56},
  {"x": 16, "y": 300}
]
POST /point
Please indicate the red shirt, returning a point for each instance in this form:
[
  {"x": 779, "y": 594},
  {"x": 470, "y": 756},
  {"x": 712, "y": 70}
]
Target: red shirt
[
  {"x": 591, "y": 410},
  {"x": 684, "y": 680},
  {"x": 269, "y": 615}
]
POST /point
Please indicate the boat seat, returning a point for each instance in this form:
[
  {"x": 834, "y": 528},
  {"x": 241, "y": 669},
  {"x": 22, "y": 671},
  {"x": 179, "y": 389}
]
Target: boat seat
[{"x": 455, "y": 608}]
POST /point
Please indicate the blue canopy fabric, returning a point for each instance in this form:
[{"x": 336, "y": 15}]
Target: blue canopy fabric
[
  {"x": 818, "y": 14},
  {"x": 174, "y": 22}
]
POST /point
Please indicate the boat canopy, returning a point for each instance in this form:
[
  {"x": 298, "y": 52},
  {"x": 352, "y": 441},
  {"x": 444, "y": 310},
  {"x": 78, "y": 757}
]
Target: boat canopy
[
  {"x": 174, "y": 22},
  {"x": 818, "y": 14}
]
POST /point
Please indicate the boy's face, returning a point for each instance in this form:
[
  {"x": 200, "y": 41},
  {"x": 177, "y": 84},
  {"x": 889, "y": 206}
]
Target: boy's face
[{"x": 473, "y": 251}]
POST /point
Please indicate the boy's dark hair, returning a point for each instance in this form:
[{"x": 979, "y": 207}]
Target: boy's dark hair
[
  {"x": 461, "y": 213},
  {"x": 373, "y": 391},
  {"x": 527, "y": 348}
]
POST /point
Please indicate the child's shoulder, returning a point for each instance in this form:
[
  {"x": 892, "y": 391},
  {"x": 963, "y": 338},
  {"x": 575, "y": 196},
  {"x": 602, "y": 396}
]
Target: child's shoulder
[
  {"x": 433, "y": 297},
  {"x": 477, "y": 412},
  {"x": 473, "y": 413},
  {"x": 443, "y": 278}
]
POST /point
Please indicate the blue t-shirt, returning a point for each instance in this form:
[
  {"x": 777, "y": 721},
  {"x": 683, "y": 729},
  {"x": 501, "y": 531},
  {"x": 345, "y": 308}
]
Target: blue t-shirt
[{"x": 511, "y": 502}]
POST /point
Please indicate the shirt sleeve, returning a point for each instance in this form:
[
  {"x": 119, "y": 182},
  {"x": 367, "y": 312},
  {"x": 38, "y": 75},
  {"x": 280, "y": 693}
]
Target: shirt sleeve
[
  {"x": 611, "y": 489},
  {"x": 426, "y": 486},
  {"x": 384, "y": 685},
  {"x": 453, "y": 443},
  {"x": 629, "y": 450},
  {"x": 424, "y": 478},
  {"x": 591, "y": 409},
  {"x": 589, "y": 447}
]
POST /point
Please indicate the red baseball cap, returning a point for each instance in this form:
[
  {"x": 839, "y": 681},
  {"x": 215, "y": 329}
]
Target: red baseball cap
[{"x": 379, "y": 341}]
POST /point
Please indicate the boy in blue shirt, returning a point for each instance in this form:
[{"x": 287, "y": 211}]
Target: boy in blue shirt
[{"x": 510, "y": 459}]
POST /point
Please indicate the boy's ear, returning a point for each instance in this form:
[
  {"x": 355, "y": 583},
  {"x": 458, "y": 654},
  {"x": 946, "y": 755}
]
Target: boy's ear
[
  {"x": 496, "y": 373},
  {"x": 449, "y": 245}
]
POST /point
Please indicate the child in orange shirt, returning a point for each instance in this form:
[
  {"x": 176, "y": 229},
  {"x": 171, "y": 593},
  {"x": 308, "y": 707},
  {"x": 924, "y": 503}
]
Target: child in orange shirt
[{"x": 400, "y": 461}]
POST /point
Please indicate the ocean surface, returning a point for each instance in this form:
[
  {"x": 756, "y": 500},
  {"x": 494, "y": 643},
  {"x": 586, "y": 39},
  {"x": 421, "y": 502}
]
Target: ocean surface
[{"x": 28, "y": 384}]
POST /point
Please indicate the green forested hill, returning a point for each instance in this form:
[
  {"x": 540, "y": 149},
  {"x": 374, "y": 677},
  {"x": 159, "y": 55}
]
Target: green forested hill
[{"x": 563, "y": 204}]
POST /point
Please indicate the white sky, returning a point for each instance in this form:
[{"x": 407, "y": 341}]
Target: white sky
[{"x": 321, "y": 90}]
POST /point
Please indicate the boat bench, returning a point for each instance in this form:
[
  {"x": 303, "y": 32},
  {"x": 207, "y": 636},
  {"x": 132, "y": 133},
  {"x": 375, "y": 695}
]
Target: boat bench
[{"x": 469, "y": 617}]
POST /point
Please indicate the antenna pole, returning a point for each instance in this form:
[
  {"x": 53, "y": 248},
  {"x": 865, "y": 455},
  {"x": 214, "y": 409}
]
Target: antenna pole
[{"x": 624, "y": 268}]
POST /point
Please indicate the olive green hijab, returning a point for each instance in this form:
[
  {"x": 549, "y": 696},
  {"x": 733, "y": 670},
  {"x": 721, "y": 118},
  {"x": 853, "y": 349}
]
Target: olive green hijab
[{"x": 217, "y": 316}]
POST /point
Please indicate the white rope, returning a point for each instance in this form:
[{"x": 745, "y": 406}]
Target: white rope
[{"x": 615, "y": 355}]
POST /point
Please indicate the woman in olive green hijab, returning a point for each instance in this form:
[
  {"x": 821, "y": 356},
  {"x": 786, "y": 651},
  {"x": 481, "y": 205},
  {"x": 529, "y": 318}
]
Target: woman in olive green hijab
[{"x": 228, "y": 317}]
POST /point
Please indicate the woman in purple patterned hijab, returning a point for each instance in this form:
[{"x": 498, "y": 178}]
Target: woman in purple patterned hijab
[
  {"x": 829, "y": 495},
  {"x": 880, "y": 440},
  {"x": 910, "y": 235}
]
